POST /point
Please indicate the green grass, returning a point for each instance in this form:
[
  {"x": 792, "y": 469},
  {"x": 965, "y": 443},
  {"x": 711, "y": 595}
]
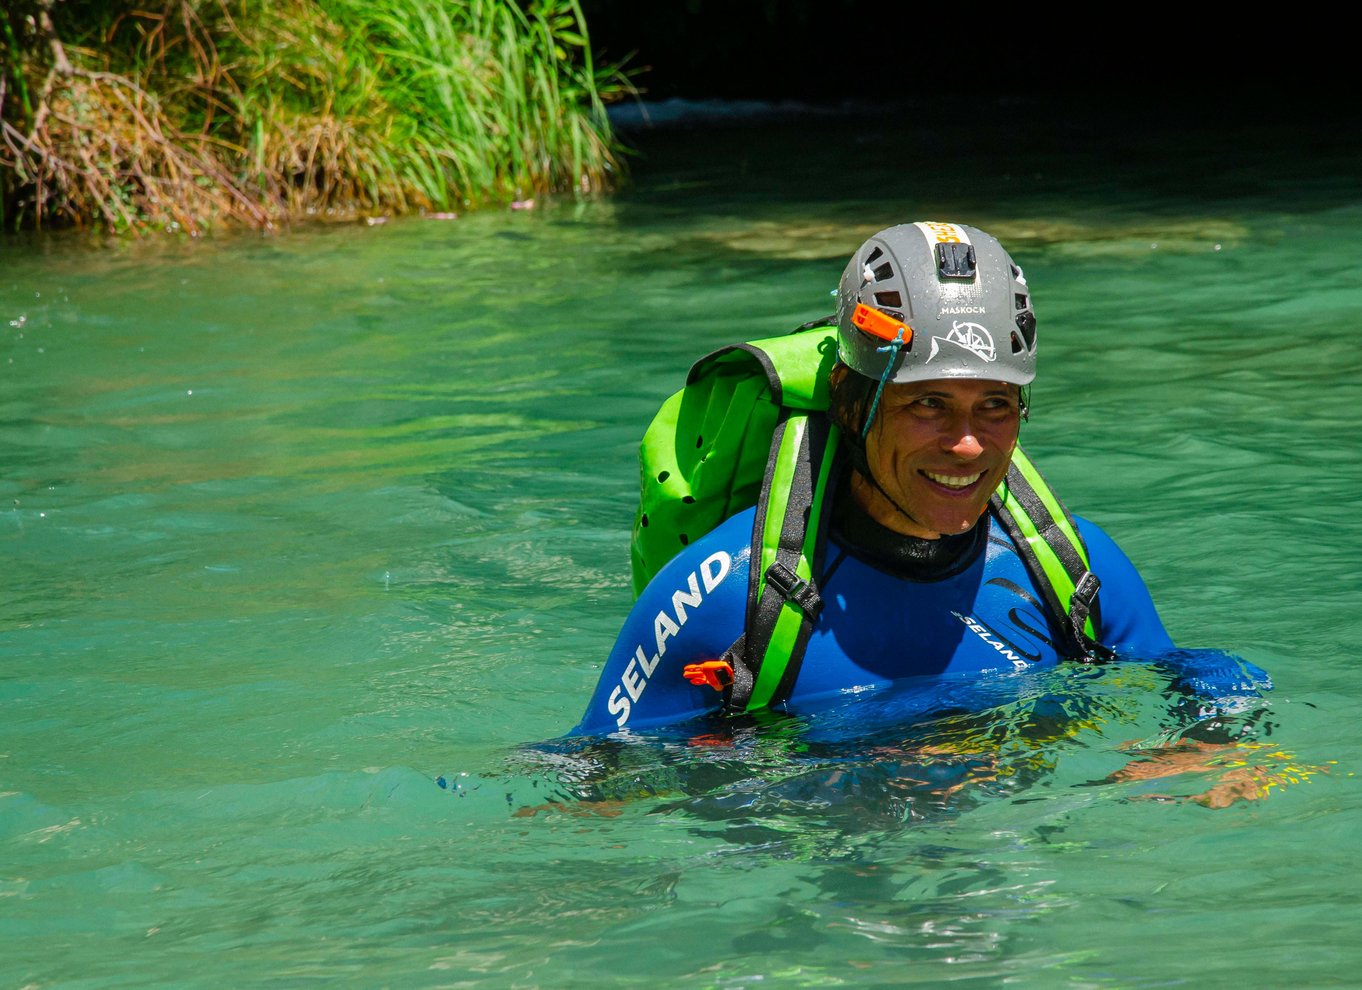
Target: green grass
[{"x": 203, "y": 111}]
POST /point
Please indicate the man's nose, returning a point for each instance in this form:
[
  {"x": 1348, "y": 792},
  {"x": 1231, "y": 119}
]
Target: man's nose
[{"x": 962, "y": 441}]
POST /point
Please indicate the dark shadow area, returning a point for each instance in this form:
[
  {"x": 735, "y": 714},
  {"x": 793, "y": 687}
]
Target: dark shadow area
[
  {"x": 1190, "y": 62},
  {"x": 953, "y": 95},
  {"x": 1043, "y": 154}
]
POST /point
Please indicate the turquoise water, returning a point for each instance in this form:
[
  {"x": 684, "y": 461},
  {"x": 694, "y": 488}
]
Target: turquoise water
[{"x": 294, "y": 528}]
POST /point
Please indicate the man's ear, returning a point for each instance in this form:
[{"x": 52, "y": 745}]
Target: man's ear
[{"x": 836, "y": 376}]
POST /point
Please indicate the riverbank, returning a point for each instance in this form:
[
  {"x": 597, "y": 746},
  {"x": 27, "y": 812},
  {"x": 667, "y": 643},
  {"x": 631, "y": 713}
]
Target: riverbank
[{"x": 187, "y": 115}]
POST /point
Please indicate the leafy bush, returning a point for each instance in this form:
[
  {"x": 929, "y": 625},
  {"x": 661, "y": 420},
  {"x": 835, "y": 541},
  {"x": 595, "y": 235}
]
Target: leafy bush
[{"x": 258, "y": 112}]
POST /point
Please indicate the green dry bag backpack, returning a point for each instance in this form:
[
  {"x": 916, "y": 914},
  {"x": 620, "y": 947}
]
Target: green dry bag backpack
[{"x": 705, "y": 454}]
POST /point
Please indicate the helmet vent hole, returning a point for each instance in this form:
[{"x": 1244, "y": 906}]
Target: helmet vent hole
[
  {"x": 684, "y": 539},
  {"x": 643, "y": 520},
  {"x": 1026, "y": 323},
  {"x": 884, "y": 271},
  {"x": 688, "y": 499},
  {"x": 699, "y": 442},
  {"x": 663, "y": 475},
  {"x": 1020, "y": 298},
  {"x": 875, "y": 256},
  {"x": 1017, "y": 345},
  {"x": 890, "y": 298}
]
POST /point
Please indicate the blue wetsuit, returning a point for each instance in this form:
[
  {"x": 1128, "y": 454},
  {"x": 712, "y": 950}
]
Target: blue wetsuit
[{"x": 980, "y": 613}]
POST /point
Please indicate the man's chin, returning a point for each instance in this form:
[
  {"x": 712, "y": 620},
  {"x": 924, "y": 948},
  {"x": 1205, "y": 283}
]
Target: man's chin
[{"x": 955, "y": 523}]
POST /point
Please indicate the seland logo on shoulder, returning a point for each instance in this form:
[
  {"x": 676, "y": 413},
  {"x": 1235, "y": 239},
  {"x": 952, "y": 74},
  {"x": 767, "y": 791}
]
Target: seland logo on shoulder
[
  {"x": 992, "y": 639},
  {"x": 666, "y": 624}
]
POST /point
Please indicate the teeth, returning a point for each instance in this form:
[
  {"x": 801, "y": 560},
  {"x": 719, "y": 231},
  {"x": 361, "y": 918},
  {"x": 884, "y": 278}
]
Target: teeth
[{"x": 952, "y": 481}]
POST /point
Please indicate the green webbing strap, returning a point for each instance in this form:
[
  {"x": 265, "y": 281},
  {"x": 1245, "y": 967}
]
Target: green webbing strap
[
  {"x": 1047, "y": 540},
  {"x": 788, "y": 536}
]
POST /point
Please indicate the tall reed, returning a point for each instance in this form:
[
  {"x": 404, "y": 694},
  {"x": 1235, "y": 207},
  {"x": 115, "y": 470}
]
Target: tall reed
[{"x": 138, "y": 117}]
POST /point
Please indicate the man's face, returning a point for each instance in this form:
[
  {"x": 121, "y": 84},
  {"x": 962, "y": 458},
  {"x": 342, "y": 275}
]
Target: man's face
[{"x": 939, "y": 449}]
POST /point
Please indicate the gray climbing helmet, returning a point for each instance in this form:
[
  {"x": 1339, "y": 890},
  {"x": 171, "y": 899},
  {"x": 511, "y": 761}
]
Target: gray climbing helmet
[{"x": 936, "y": 300}]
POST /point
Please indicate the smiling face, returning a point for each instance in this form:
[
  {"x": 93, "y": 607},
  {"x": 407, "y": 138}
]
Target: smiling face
[{"x": 938, "y": 450}]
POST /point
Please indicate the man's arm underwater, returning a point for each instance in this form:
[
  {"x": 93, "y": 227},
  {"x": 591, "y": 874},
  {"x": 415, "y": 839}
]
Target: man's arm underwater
[{"x": 1132, "y": 628}]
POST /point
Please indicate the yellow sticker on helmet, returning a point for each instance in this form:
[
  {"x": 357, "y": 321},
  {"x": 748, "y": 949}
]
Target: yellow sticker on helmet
[{"x": 938, "y": 232}]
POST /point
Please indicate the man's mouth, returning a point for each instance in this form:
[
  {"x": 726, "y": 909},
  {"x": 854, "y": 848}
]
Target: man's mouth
[{"x": 952, "y": 480}]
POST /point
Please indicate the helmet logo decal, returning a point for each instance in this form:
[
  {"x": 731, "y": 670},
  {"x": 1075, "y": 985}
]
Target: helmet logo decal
[
  {"x": 937, "y": 232},
  {"x": 971, "y": 336}
]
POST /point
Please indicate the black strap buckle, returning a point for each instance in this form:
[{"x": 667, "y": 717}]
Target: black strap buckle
[
  {"x": 794, "y": 589},
  {"x": 1080, "y": 607},
  {"x": 1085, "y": 591}
]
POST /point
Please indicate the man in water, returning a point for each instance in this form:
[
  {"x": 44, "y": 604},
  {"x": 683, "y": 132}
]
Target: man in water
[{"x": 916, "y": 540}]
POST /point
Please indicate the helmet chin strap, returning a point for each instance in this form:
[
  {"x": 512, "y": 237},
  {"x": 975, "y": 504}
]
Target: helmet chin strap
[
  {"x": 860, "y": 463},
  {"x": 892, "y": 348}
]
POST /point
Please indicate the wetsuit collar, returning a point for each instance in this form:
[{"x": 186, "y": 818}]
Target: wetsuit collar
[{"x": 909, "y": 557}]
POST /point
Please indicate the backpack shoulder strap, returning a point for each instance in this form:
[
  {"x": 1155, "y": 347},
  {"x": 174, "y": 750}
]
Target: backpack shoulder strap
[
  {"x": 1048, "y": 542},
  {"x": 788, "y": 540}
]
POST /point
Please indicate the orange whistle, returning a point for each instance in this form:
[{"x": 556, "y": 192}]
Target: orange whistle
[
  {"x": 716, "y": 673},
  {"x": 879, "y": 324}
]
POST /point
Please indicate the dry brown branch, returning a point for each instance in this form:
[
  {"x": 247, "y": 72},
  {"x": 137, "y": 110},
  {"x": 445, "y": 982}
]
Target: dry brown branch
[{"x": 105, "y": 149}]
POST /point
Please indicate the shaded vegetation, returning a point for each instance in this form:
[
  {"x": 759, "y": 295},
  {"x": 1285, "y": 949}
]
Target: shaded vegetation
[{"x": 175, "y": 115}]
